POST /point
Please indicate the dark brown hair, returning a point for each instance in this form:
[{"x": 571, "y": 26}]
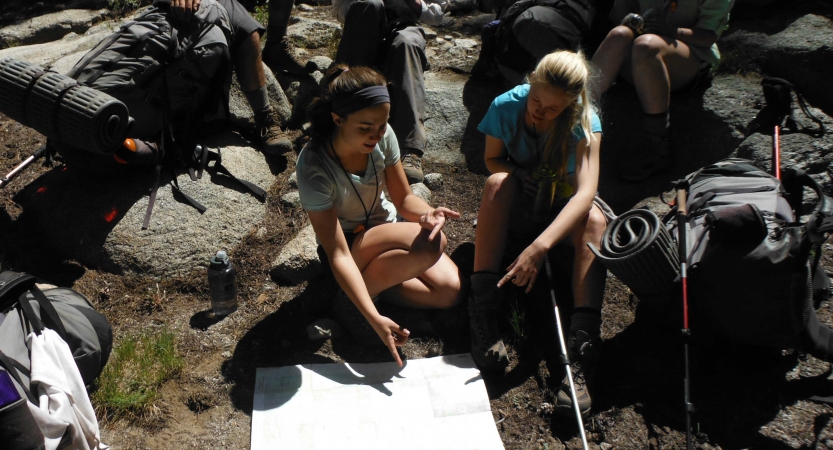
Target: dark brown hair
[{"x": 339, "y": 80}]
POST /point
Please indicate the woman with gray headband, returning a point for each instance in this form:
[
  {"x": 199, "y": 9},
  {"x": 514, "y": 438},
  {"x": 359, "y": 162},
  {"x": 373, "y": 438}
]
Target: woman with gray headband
[{"x": 342, "y": 173}]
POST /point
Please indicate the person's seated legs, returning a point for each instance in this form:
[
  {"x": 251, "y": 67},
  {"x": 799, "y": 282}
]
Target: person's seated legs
[
  {"x": 245, "y": 52},
  {"x": 405, "y": 62},
  {"x": 278, "y": 53},
  {"x": 656, "y": 66},
  {"x": 249, "y": 68},
  {"x": 365, "y": 26}
]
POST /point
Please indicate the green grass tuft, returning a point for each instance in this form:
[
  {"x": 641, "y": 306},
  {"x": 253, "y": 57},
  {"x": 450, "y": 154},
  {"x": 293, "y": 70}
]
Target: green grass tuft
[{"x": 137, "y": 367}]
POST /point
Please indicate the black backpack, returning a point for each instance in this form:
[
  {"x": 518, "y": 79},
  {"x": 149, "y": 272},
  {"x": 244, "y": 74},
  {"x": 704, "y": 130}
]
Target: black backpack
[
  {"x": 28, "y": 309},
  {"x": 563, "y": 26},
  {"x": 751, "y": 277}
]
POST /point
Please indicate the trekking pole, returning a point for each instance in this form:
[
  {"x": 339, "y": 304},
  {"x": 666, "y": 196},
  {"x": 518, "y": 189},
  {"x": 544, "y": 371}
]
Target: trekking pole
[
  {"x": 22, "y": 166},
  {"x": 564, "y": 356},
  {"x": 682, "y": 220},
  {"x": 776, "y": 152}
]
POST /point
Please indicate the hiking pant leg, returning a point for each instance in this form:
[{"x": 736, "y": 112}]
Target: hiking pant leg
[
  {"x": 365, "y": 25},
  {"x": 405, "y": 64}
]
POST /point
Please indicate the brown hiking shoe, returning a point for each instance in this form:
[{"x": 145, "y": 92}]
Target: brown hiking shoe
[
  {"x": 412, "y": 163},
  {"x": 487, "y": 347},
  {"x": 583, "y": 352},
  {"x": 272, "y": 139},
  {"x": 279, "y": 55}
]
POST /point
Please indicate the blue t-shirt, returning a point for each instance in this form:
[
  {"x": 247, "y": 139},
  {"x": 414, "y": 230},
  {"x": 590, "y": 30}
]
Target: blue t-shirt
[{"x": 505, "y": 121}]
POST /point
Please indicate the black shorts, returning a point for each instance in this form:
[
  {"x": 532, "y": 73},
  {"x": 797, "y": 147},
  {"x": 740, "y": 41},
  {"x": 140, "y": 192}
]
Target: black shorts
[{"x": 242, "y": 23}]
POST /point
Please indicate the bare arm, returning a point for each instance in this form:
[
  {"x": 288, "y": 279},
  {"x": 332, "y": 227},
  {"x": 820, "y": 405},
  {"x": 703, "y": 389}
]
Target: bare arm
[
  {"x": 525, "y": 268},
  {"x": 347, "y": 274},
  {"x": 696, "y": 37},
  {"x": 411, "y": 207},
  {"x": 497, "y": 160}
]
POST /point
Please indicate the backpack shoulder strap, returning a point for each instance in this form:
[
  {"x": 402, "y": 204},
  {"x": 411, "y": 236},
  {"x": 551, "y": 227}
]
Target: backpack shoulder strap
[
  {"x": 12, "y": 283},
  {"x": 11, "y": 366}
]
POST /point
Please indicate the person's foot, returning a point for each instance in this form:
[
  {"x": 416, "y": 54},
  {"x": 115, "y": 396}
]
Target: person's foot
[
  {"x": 272, "y": 139},
  {"x": 348, "y": 316},
  {"x": 412, "y": 163},
  {"x": 487, "y": 347},
  {"x": 655, "y": 157},
  {"x": 583, "y": 351},
  {"x": 279, "y": 55}
]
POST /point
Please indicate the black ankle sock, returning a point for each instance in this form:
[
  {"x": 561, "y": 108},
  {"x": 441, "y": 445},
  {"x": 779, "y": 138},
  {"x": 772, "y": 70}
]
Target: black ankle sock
[
  {"x": 657, "y": 124},
  {"x": 483, "y": 282},
  {"x": 586, "y": 319}
]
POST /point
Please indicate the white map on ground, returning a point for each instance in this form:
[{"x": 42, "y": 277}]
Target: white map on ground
[{"x": 434, "y": 403}]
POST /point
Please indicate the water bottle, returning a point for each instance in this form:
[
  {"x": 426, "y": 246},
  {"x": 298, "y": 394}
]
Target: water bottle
[
  {"x": 222, "y": 284},
  {"x": 546, "y": 178}
]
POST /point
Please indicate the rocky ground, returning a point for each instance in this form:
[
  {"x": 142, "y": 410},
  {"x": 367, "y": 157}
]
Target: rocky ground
[{"x": 50, "y": 225}]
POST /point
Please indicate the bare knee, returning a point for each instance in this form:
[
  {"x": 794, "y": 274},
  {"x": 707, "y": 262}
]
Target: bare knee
[
  {"x": 594, "y": 227},
  {"x": 426, "y": 253},
  {"x": 620, "y": 33},
  {"x": 500, "y": 185},
  {"x": 449, "y": 291},
  {"x": 647, "y": 46}
]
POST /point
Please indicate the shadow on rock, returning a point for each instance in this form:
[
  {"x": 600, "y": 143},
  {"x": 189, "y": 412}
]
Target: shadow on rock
[{"x": 477, "y": 97}]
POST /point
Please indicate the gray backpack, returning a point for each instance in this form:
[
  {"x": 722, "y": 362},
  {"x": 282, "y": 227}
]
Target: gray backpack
[
  {"x": 173, "y": 77},
  {"x": 753, "y": 266},
  {"x": 27, "y": 309}
]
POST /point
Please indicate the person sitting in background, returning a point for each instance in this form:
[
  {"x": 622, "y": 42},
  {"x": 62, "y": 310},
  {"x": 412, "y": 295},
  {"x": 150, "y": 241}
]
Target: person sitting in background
[
  {"x": 342, "y": 175},
  {"x": 660, "y": 47},
  {"x": 385, "y": 34},
  {"x": 246, "y": 56},
  {"x": 542, "y": 142},
  {"x": 278, "y": 53}
]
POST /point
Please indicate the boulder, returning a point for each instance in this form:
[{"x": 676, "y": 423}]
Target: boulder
[
  {"x": 308, "y": 33},
  {"x": 97, "y": 220},
  {"x": 46, "y": 54},
  {"x": 242, "y": 114},
  {"x": 421, "y": 191},
  {"x": 298, "y": 260},
  {"x": 293, "y": 180},
  {"x": 291, "y": 199},
  {"x": 445, "y": 118},
  {"x": 433, "y": 181},
  {"x": 798, "y": 50},
  {"x": 320, "y": 63},
  {"x": 50, "y": 27}
]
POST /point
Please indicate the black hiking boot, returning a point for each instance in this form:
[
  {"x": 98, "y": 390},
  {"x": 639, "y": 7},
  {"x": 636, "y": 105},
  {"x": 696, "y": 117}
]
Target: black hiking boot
[
  {"x": 272, "y": 139},
  {"x": 487, "y": 347},
  {"x": 583, "y": 351},
  {"x": 279, "y": 55},
  {"x": 348, "y": 316},
  {"x": 412, "y": 163}
]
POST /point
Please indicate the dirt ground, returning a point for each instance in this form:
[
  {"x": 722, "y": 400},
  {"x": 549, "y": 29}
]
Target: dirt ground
[{"x": 745, "y": 397}]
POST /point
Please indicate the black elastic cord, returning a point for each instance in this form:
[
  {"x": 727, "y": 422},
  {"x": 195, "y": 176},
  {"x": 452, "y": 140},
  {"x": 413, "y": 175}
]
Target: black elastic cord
[{"x": 349, "y": 180}]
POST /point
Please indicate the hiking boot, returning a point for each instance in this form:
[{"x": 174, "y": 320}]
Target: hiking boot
[
  {"x": 279, "y": 55},
  {"x": 349, "y": 317},
  {"x": 487, "y": 347},
  {"x": 655, "y": 157},
  {"x": 412, "y": 163},
  {"x": 583, "y": 351},
  {"x": 272, "y": 139}
]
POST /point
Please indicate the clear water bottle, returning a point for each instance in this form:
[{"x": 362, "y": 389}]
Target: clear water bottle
[{"x": 222, "y": 284}]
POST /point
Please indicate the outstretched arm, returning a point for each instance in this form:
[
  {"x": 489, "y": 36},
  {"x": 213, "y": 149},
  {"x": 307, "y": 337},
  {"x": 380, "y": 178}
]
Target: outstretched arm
[
  {"x": 413, "y": 208},
  {"x": 524, "y": 270},
  {"x": 329, "y": 233}
]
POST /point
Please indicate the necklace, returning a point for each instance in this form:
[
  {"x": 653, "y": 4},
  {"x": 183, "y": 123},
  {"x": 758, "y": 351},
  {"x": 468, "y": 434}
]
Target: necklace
[{"x": 362, "y": 226}]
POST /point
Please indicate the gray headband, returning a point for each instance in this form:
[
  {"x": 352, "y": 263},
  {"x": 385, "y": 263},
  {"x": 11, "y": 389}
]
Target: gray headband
[{"x": 361, "y": 99}]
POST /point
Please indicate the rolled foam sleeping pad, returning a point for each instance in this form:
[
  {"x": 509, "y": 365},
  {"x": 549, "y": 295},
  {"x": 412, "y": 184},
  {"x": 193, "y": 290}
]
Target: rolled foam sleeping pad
[
  {"x": 638, "y": 249},
  {"x": 61, "y": 109}
]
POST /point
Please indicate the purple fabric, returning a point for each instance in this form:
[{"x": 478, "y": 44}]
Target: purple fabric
[{"x": 8, "y": 393}]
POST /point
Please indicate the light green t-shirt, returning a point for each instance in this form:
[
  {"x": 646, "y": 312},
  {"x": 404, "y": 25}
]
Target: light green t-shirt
[
  {"x": 323, "y": 184},
  {"x": 704, "y": 14}
]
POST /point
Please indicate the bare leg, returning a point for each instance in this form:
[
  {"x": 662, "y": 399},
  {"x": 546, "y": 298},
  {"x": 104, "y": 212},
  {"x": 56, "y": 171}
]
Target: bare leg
[
  {"x": 609, "y": 58},
  {"x": 589, "y": 275},
  {"x": 400, "y": 255},
  {"x": 661, "y": 65},
  {"x": 493, "y": 221},
  {"x": 248, "y": 64}
]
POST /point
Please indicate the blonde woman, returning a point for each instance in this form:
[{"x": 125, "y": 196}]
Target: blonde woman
[{"x": 537, "y": 131}]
